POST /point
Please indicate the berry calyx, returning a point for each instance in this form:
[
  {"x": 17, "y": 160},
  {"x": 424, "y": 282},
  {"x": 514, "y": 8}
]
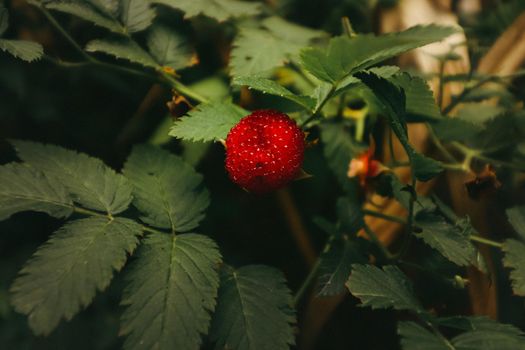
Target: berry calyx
[{"x": 264, "y": 151}]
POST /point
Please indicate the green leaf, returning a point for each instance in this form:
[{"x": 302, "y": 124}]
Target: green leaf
[
  {"x": 25, "y": 50},
  {"x": 393, "y": 100},
  {"x": 122, "y": 48},
  {"x": 253, "y": 310},
  {"x": 89, "y": 180},
  {"x": 515, "y": 259},
  {"x": 346, "y": 56},
  {"x": 271, "y": 87},
  {"x": 221, "y": 10},
  {"x": 478, "y": 113},
  {"x": 208, "y": 122},
  {"x": 171, "y": 290},
  {"x": 416, "y": 337},
  {"x": 380, "y": 289},
  {"x": 516, "y": 217},
  {"x": 448, "y": 239},
  {"x": 349, "y": 215},
  {"x": 420, "y": 103},
  {"x": 336, "y": 264},
  {"x": 168, "y": 192},
  {"x": 111, "y": 7},
  {"x": 489, "y": 339},
  {"x": 136, "y": 15},
  {"x": 87, "y": 12},
  {"x": 454, "y": 129},
  {"x": 479, "y": 323},
  {"x": 339, "y": 147},
  {"x": 65, "y": 273},
  {"x": 169, "y": 48},
  {"x": 23, "y": 188},
  {"x": 257, "y": 51}
]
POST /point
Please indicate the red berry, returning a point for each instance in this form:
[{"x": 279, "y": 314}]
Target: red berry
[{"x": 264, "y": 151}]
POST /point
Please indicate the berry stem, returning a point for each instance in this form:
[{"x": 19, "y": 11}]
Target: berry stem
[{"x": 306, "y": 283}]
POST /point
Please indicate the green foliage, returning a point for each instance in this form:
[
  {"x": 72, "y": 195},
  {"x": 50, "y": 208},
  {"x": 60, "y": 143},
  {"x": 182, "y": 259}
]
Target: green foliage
[
  {"x": 515, "y": 259},
  {"x": 516, "y": 217},
  {"x": 451, "y": 240},
  {"x": 90, "y": 182},
  {"x": 169, "y": 48},
  {"x": 258, "y": 50},
  {"x": 208, "y": 122},
  {"x": 393, "y": 99},
  {"x": 24, "y": 188},
  {"x": 336, "y": 264},
  {"x": 416, "y": 337},
  {"x": 64, "y": 274},
  {"x": 87, "y": 11},
  {"x": 122, "y": 48},
  {"x": 271, "y": 87},
  {"x": 253, "y": 310},
  {"x": 221, "y": 10},
  {"x": 167, "y": 191},
  {"x": 136, "y": 15},
  {"x": 25, "y": 50},
  {"x": 171, "y": 290},
  {"x": 420, "y": 103},
  {"x": 382, "y": 288},
  {"x": 346, "y": 56}
]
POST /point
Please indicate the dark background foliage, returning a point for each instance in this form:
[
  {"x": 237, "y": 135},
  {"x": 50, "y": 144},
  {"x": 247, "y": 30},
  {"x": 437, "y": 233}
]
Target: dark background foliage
[{"x": 98, "y": 111}]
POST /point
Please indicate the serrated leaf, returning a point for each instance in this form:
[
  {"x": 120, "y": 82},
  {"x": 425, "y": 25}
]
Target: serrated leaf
[
  {"x": 350, "y": 215},
  {"x": 122, "y": 48},
  {"x": 90, "y": 182},
  {"x": 65, "y": 273},
  {"x": 515, "y": 259},
  {"x": 168, "y": 192},
  {"x": 393, "y": 99},
  {"x": 478, "y": 113},
  {"x": 136, "y": 15},
  {"x": 111, "y": 7},
  {"x": 382, "y": 288},
  {"x": 221, "y": 10},
  {"x": 256, "y": 51},
  {"x": 23, "y": 188},
  {"x": 420, "y": 103},
  {"x": 208, "y": 122},
  {"x": 25, "y": 50},
  {"x": 253, "y": 310},
  {"x": 336, "y": 264},
  {"x": 171, "y": 290},
  {"x": 169, "y": 48},
  {"x": 479, "y": 323},
  {"x": 454, "y": 129},
  {"x": 516, "y": 217},
  {"x": 271, "y": 87},
  {"x": 416, "y": 337},
  {"x": 346, "y": 56},
  {"x": 87, "y": 12},
  {"x": 339, "y": 147},
  {"x": 448, "y": 239},
  {"x": 488, "y": 339}
]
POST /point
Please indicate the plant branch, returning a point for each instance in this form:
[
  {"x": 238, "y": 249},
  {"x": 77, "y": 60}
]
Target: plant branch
[
  {"x": 486, "y": 241},
  {"x": 307, "y": 283},
  {"x": 384, "y": 216},
  {"x": 376, "y": 241}
]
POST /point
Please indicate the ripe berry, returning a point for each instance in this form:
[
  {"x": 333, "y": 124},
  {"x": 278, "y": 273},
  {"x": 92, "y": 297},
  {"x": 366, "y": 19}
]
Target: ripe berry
[{"x": 264, "y": 151}]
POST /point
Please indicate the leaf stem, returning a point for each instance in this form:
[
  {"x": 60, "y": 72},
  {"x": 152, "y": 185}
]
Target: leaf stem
[
  {"x": 384, "y": 216},
  {"x": 486, "y": 241},
  {"x": 320, "y": 106},
  {"x": 89, "y": 212},
  {"x": 63, "y": 32},
  {"x": 373, "y": 237},
  {"x": 307, "y": 282}
]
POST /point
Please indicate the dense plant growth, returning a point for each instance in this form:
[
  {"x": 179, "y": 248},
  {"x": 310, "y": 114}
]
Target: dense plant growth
[{"x": 181, "y": 290}]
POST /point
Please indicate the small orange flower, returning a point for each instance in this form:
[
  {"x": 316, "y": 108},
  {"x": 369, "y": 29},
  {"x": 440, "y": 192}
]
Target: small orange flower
[{"x": 364, "y": 167}]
